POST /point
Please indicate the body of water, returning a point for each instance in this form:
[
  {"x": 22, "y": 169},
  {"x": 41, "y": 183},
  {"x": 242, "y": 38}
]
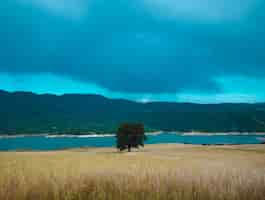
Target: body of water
[{"x": 44, "y": 143}]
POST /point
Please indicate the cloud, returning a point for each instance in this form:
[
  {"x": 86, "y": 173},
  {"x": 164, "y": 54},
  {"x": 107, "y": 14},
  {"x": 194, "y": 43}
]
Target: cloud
[
  {"x": 236, "y": 89},
  {"x": 125, "y": 47},
  {"x": 68, "y": 8},
  {"x": 203, "y": 10}
]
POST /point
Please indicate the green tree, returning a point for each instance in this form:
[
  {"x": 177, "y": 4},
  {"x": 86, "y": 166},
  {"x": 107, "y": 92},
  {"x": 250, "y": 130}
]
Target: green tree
[{"x": 130, "y": 135}]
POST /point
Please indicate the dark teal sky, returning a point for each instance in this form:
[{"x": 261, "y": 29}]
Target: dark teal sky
[{"x": 145, "y": 50}]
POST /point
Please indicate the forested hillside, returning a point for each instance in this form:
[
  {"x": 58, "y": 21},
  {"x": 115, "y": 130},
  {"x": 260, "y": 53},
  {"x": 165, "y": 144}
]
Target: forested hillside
[{"x": 22, "y": 112}]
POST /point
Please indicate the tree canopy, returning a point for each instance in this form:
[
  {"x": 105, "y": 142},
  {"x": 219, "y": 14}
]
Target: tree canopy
[{"x": 130, "y": 135}]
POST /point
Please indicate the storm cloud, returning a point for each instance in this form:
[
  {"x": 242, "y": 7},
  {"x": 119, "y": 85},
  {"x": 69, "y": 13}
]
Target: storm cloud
[{"x": 160, "y": 46}]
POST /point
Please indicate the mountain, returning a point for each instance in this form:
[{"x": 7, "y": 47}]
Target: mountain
[{"x": 25, "y": 112}]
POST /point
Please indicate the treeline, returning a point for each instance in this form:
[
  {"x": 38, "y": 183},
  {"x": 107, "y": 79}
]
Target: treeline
[{"x": 22, "y": 113}]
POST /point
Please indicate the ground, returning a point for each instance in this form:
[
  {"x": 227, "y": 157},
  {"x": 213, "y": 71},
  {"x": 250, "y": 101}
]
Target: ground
[{"x": 166, "y": 171}]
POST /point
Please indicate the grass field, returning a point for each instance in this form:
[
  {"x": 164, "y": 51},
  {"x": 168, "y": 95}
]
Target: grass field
[{"x": 156, "y": 172}]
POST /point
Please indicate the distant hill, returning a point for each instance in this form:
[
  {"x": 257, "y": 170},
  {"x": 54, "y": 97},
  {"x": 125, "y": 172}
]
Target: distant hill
[{"x": 24, "y": 112}]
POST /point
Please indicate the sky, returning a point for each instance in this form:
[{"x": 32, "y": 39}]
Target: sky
[{"x": 206, "y": 51}]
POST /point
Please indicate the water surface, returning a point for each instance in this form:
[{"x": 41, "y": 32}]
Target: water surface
[{"x": 47, "y": 143}]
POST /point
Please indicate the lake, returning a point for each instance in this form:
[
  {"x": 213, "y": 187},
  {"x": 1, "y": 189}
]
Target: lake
[{"x": 44, "y": 143}]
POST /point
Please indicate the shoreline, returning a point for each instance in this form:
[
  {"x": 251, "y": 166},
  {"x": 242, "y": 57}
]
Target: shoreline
[
  {"x": 114, "y": 149},
  {"x": 222, "y": 133},
  {"x": 48, "y": 135}
]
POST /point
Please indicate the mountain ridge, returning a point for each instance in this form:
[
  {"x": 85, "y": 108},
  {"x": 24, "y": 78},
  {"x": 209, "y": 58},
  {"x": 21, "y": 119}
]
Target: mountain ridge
[{"x": 27, "y": 112}]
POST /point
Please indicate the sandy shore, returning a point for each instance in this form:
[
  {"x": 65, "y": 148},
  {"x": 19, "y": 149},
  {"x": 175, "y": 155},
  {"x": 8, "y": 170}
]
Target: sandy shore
[{"x": 113, "y": 134}]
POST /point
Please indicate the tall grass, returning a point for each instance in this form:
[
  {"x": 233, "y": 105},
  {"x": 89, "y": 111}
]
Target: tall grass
[
  {"x": 127, "y": 178},
  {"x": 136, "y": 185}
]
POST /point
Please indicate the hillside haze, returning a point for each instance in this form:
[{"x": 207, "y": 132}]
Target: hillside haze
[{"x": 24, "y": 112}]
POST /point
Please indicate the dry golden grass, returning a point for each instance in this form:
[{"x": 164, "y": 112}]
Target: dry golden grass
[{"x": 157, "y": 172}]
